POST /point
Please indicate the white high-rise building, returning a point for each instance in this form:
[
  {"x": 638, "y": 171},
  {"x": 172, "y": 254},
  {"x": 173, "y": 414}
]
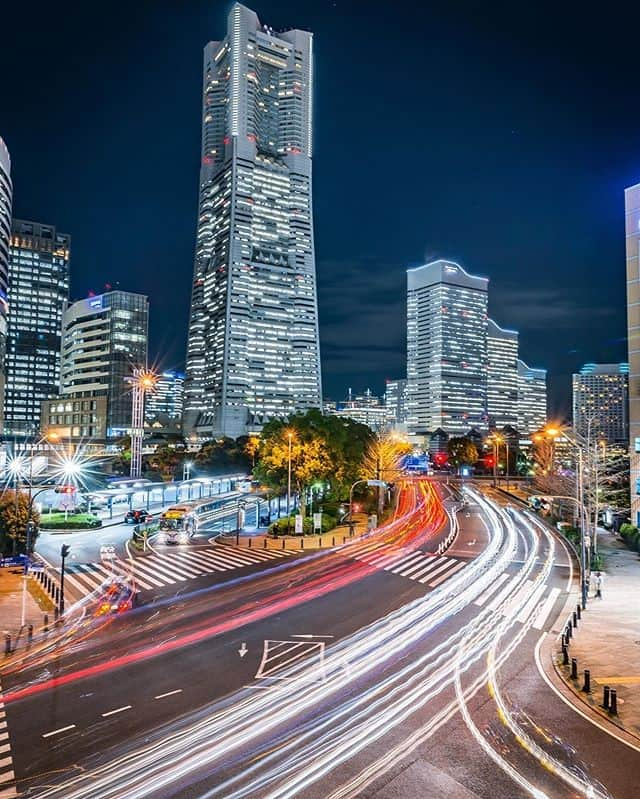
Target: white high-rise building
[
  {"x": 502, "y": 376},
  {"x": 601, "y": 402},
  {"x": 167, "y": 397},
  {"x": 446, "y": 349},
  {"x": 532, "y": 398},
  {"x": 6, "y": 196},
  {"x": 632, "y": 233},
  {"x": 253, "y": 348},
  {"x": 395, "y": 400}
]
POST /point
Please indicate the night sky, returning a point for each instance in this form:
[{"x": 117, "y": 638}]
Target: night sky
[{"x": 499, "y": 135}]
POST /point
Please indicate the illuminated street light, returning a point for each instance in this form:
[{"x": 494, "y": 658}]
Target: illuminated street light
[{"x": 142, "y": 382}]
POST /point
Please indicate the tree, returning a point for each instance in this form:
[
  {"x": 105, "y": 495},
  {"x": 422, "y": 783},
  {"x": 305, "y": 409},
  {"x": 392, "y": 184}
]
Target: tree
[
  {"x": 462, "y": 451},
  {"x": 252, "y": 448},
  {"x": 167, "y": 461},
  {"x": 383, "y": 460},
  {"x": 14, "y": 515},
  {"x": 223, "y": 456}
]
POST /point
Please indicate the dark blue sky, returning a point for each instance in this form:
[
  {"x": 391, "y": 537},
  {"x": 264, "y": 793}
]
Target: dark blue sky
[{"x": 500, "y": 135}]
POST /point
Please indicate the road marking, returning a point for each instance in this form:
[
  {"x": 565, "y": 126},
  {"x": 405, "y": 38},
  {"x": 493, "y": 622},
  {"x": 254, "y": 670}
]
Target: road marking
[
  {"x": 545, "y": 610},
  {"x": 447, "y": 574},
  {"x": 309, "y": 635},
  {"x": 243, "y": 650},
  {"x": 169, "y": 693},
  {"x": 57, "y": 732},
  {"x": 117, "y": 710},
  {"x": 492, "y": 589},
  {"x": 635, "y": 680}
]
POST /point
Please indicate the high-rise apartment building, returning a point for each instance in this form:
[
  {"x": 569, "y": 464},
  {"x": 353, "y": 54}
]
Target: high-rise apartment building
[
  {"x": 253, "y": 349},
  {"x": 166, "y": 399},
  {"x": 601, "y": 402},
  {"x": 38, "y": 293},
  {"x": 532, "y": 398},
  {"x": 6, "y": 196},
  {"x": 632, "y": 234},
  {"x": 104, "y": 338},
  {"x": 395, "y": 400},
  {"x": 446, "y": 349},
  {"x": 502, "y": 376}
]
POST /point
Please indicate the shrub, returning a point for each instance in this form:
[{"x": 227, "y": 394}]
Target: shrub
[
  {"x": 279, "y": 527},
  {"x": 74, "y": 521},
  {"x": 628, "y": 530}
]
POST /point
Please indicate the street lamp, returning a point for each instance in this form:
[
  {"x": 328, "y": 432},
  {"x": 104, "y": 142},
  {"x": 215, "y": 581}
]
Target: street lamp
[
  {"x": 290, "y": 437},
  {"x": 142, "y": 382},
  {"x": 64, "y": 551}
]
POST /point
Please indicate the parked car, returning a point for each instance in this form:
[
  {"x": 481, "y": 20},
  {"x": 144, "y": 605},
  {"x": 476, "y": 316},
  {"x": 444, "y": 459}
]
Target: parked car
[{"x": 137, "y": 516}]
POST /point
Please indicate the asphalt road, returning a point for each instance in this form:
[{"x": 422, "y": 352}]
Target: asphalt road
[{"x": 327, "y": 675}]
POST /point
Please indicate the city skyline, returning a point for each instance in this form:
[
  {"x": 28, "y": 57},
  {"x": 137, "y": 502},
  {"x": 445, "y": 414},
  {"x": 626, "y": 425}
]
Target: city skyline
[{"x": 165, "y": 209}]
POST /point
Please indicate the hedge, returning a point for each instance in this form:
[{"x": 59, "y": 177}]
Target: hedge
[
  {"x": 74, "y": 521},
  {"x": 280, "y": 527}
]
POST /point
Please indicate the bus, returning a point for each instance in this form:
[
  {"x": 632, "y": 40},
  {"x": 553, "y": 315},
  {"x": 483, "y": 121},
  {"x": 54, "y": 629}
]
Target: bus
[{"x": 181, "y": 522}]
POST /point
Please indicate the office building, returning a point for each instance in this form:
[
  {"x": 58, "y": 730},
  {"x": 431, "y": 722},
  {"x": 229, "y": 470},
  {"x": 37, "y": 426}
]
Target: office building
[
  {"x": 632, "y": 235},
  {"x": 446, "y": 349},
  {"x": 532, "y": 398},
  {"x": 166, "y": 399},
  {"x": 395, "y": 400},
  {"x": 104, "y": 338},
  {"x": 253, "y": 349},
  {"x": 601, "y": 402},
  {"x": 365, "y": 408},
  {"x": 6, "y": 196},
  {"x": 38, "y": 294},
  {"x": 502, "y": 376}
]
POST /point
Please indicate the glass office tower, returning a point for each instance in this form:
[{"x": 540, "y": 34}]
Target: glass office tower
[
  {"x": 253, "y": 350},
  {"x": 6, "y": 196}
]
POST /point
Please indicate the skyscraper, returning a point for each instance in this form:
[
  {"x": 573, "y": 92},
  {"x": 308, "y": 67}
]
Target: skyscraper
[
  {"x": 600, "y": 402},
  {"x": 103, "y": 339},
  {"x": 38, "y": 293},
  {"x": 167, "y": 397},
  {"x": 632, "y": 233},
  {"x": 502, "y": 376},
  {"x": 395, "y": 400},
  {"x": 446, "y": 348},
  {"x": 6, "y": 195},
  {"x": 253, "y": 349},
  {"x": 532, "y": 398}
]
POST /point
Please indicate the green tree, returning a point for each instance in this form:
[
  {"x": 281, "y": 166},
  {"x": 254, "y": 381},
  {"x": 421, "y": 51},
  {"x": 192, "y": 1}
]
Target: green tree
[
  {"x": 223, "y": 456},
  {"x": 461, "y": 451},
  {"x": 167, "y": 461},
  {"x": 14, "y": 515}
]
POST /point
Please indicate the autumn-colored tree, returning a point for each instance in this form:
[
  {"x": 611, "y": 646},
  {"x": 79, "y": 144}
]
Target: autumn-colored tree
[
  {"x": 383, "y": 460},
  {"x": 252, "y": 449},
  {"x": 14, "y": 515},
  {"x": 461, "y": 451}
]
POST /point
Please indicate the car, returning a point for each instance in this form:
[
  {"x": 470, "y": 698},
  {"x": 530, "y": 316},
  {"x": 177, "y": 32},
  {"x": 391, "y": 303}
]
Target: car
[
  {"x": 118, "y": 596},
  {"x": 137, "y": 516}
]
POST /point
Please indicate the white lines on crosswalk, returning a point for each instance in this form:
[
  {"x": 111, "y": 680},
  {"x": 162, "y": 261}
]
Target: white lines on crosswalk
[
  {"x": 6, "y": 761},
  {"x": 168, "y": 568},
  {"x": 507, "y": 595},
  {"x": 422, "y": 567}
]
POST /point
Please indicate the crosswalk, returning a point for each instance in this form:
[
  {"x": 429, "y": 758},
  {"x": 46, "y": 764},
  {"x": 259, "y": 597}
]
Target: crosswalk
[
  {"x": 162, "y": 569},
  {"x": 7, "y": 786},
  {"x": 503, "y": 593},
  {"x": 423, "y": 567}
]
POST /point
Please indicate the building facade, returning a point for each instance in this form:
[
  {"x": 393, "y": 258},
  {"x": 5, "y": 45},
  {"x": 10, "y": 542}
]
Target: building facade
[
  {"x": 632, "y": 237},
  {"x": 38, "y": 293},
  {"x": 601, "y": 402},
  {"x": 104, "y": 338},
  {"x": 365, "y": 408},
  {"x": 395, "y": 400},
  {"x": 502, "y": 376},
  {"x": 6, "y": 198},
  {"x": 253, "y": 347},
  {"x": 167, "y": 398},
  {"x": 446, "y": 349},
  {"x": 532, "y": 398}
]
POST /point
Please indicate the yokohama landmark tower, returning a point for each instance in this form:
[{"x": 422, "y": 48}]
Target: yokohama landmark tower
[{"x": 253, "y": 351}]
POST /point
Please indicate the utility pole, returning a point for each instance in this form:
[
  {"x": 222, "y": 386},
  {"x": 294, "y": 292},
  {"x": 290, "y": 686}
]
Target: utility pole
[{"x": 64, "y": 551}]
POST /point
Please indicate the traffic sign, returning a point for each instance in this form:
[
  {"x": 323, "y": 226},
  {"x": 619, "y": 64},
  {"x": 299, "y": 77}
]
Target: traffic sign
[{"x": 298, "y": 527}]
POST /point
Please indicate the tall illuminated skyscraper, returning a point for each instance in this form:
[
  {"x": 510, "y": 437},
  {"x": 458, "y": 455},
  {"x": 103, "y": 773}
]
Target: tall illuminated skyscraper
[
  {"x": 632, "y": 233},
  {"x": 446, "y": 349},
  {"x": 532, "y": 398},
  {"x": 6, "y": 196},
  {"x": 502, "y": 376},
  {"x": 253, "y": 349}
]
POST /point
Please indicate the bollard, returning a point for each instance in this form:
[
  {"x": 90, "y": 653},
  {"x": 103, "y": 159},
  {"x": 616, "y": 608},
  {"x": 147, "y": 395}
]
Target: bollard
[
  {"x": 579, "y": 611},
  {"x": 574, "y": 668},
  {"x": 302, "y": 543},
  {"x": 587, "y": 682},
  {"x": 565, "y": 655},
  {"x": 613, "y": 707},
  {"x": 344, "y": 539},
  {"x": 46, "y": 622},
  {"x": 333, "y": 541},
  {"x": 605, "y": 697},
  {"x": 265, "y": 543},
  {"x": 250, "y": 543},
  {"x": 29, "y": 633},
  {"x": 283, "y": 543},
  {"x": 56, "y": 613},
  {"x": 319, "y": 543},
  {"x": 7, "y": 643},
  {"x": 575, "y": 619},
  {"x": 569, "y": 632}
]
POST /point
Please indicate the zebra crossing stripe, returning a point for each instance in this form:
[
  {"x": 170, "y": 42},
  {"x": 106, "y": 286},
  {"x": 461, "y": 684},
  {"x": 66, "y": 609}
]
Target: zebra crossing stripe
[
  {"x": 150, "y": 566},
  {"x": 491, "y": 590},
  {"x": 416, "y": 566},
  {"x": 202, "y": 556},
  {"x": 390, "y": 557},
  {"x": 149, "y": 574},
  {"x": 175, "y": 568},
  {"x": 70, "y": 578},
  {"x": 409, "y": 560},
  {"x": 546, "y": 609},
  {"x": 504, "y": 593},
  {"x": 442, "y": 567},
  {"x": 6, "y": 762},
  {"x": 434, "y": 561},
  {"x": 459, "y": 565},
  {"x": 238, "y": 558}
]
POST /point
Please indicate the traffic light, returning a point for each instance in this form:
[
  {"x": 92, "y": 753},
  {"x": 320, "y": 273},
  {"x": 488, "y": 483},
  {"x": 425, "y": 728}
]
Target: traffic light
[
  {"x": 68, "y": 489},
  {"x": 64, "y": 551}
]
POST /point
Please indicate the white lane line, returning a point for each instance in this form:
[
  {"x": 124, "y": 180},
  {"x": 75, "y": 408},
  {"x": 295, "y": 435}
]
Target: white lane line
[
  {"x": 169, "y": 693},
  {"x": 117, "y": 710},
  {"x": 546, "y": 609},
  {"x": 491, "y": 589},
  {"x": 58, "y": 731},
  {"x": 461, "y": 564}
]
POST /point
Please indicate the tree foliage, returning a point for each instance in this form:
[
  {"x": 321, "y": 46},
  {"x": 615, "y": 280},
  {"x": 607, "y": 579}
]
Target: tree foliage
[
  {"x": 223, "y": 456},
  {"x": 461, "y": 451},
  {"x": 167, "y": 461},
  {"x": 14, "y": 515},
  {"x": 383, "y": 457}
]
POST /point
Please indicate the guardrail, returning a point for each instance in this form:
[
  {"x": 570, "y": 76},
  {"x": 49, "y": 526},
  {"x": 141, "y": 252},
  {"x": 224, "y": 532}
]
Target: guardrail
[{"x": 454, "y": 529}]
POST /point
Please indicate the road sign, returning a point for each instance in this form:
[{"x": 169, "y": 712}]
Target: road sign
[
  {"x": 380, "y": 483},
  {"x": 372, "y": 522},
  {"x": 317, "y": 522},
  {"x": 298, "y": 527}
]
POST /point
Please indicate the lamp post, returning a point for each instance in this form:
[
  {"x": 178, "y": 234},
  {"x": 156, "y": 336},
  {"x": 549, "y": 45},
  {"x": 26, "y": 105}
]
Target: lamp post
[
  {"x": 290, "y": 437},
  {"x": 143, "y": 381}
]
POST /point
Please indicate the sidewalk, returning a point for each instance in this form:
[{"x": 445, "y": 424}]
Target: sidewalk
[
  {"x": 11, "y": 608},
  {"x": 607, "y": 639},
  {"x": 298, "y": 543}
]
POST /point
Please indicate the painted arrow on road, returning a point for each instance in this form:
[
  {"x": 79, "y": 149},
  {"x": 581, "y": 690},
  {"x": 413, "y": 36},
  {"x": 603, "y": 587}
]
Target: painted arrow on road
[{"x": 243, "y": 650}]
